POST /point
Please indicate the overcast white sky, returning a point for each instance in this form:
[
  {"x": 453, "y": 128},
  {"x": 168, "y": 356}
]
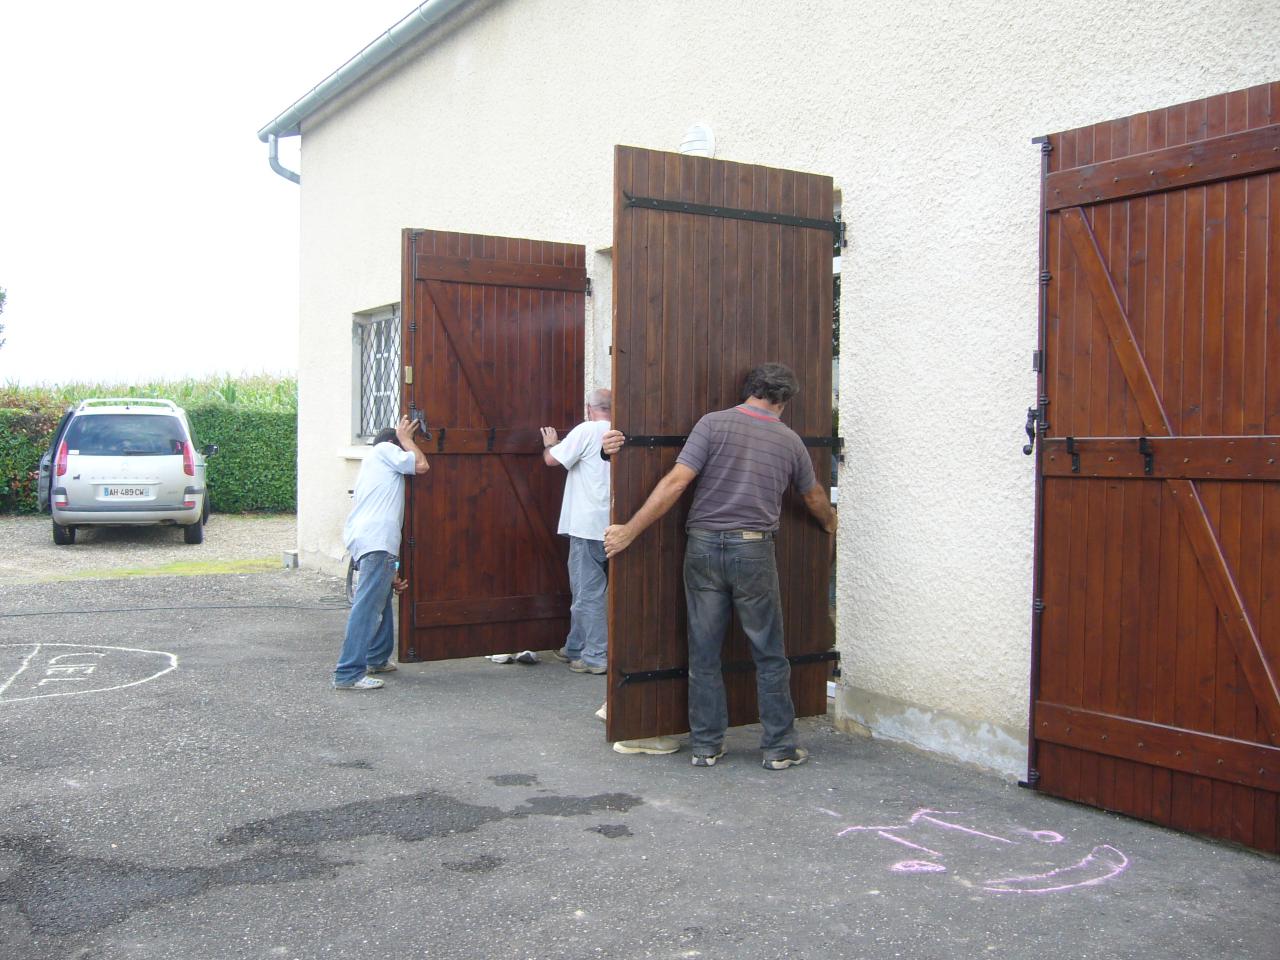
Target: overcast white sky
[{"x": 142, "y": 233}]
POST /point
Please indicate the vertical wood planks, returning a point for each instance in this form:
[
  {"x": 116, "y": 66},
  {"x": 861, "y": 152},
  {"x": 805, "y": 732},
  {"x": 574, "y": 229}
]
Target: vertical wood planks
[
  {"x": 1160, "y": 603},
  {"x": 699, "y": 301},
  {"x": 505, "y": 356}
]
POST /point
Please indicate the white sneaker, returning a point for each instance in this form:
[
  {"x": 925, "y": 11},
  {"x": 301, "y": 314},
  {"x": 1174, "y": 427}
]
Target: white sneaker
[
  {"x": 364, "y": 683},
  {"x": 603, "y": 712},
  {"x": 526, "y": 656},
  {"x": 502, "y": 658},
  {"x": 650, "y": 745}
]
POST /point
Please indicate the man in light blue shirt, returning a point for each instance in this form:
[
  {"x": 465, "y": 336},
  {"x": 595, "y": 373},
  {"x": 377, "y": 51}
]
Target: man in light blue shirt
[
  {"x": 372, "y": 537},
  {"x": 584, "y": 513}
]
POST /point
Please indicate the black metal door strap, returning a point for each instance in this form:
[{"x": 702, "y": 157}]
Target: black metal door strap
[
  {"x": 1148, "y": 455},
  {"x": 674, "y": 440},
  {"x": 834, "y": 227},
  {"x": 738, "y": 666}
]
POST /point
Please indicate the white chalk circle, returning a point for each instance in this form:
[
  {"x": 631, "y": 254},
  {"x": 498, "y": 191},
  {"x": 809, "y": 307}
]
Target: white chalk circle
[{"x": 34, "y": 671}]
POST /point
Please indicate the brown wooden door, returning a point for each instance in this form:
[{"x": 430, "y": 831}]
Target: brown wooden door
[
  {"x": 1158, "y": 651},
  {"x": 701, "y": 295},
  {"x": 493, "y": 350}
]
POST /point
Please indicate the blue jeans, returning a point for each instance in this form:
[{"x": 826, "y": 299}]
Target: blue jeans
[
  {"x": 370, "y": 626},
  {"x": 723, "y": 569},
  {"x": 588, "y": 625}
]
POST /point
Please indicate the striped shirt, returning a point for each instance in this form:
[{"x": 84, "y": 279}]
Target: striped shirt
[{"x": 744, "y": 457}]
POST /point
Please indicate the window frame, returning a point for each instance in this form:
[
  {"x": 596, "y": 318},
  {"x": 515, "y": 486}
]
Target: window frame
[{"x": 379, "y": 329}]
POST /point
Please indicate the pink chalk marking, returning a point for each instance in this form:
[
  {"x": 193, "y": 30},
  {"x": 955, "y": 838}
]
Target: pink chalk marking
[
  {"x": 896, "y": 826},
  {"x": 924, "y": 815},
  {"x": 908, "y": 843},
  {"x": 1046, "y": 836},
  {"x": 917, "y": 866},
  {"x": 1104, "y": 857}
]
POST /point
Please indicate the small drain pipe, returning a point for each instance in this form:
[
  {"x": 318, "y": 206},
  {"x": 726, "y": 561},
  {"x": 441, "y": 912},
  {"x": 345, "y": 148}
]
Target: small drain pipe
[{"x": 273, "y": 158}]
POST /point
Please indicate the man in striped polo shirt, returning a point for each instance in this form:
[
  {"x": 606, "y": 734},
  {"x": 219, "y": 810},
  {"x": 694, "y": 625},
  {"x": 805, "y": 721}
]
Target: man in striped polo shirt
[{"x": 743, "y": 458}]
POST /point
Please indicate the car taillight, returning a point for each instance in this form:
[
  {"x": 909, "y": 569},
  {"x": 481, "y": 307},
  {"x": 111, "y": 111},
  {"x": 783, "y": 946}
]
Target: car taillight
[
  {"x": 62, "y": 458},
  {"x": 188, "y": 459}
]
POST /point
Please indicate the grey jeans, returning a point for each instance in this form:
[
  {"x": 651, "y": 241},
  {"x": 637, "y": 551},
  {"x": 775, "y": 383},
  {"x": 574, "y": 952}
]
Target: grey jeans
[
  {"x": 721, "y": 569},
  {"x": 588, "y": 627}
]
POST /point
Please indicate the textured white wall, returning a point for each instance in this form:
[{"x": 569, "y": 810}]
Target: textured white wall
[{"x": 923, "y": 114}]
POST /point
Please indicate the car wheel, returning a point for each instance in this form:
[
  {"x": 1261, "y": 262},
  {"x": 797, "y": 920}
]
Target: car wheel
[
  {"x": 194, "y": 532},
  {"x": 204, "y": 513},
  {"x": 63, "y": 536}
]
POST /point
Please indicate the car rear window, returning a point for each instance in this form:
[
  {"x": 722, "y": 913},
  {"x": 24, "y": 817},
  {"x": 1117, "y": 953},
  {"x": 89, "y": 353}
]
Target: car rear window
[{"x": 125, "y": 435}]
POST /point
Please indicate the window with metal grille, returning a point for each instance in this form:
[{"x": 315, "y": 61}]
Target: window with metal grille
[{"x": 378, "y": 336}]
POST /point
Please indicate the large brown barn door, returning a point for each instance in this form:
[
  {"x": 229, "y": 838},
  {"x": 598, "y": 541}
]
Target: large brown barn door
[
  {"x": 717, "y": 267},
  {"x": 493, "y": 350},
  {"x": 1157, "y": 687}
]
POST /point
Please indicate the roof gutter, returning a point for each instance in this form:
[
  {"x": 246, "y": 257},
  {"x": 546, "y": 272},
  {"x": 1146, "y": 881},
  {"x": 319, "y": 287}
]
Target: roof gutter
[{"x": 394, "y": 40}]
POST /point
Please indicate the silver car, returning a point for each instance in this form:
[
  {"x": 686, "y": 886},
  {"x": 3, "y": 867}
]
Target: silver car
[{"x": 124, "y": 462}]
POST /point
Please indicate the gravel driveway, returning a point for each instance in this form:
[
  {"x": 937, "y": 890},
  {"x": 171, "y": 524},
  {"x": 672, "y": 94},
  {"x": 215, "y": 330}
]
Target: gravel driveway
[{"x": 233, "y": 543}]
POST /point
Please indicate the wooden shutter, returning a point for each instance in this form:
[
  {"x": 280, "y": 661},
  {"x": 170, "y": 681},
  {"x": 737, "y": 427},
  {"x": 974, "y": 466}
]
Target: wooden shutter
[
  {"x": 718, "y": 267},
  {"x": 1158, "y": 550},
  {"x": 493, "y": 338}
]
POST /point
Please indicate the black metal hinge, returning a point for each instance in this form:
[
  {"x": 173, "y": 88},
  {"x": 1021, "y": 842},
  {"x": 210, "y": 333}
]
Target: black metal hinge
[
  {"x": 587, "y": 289},
  {"x": 412, "y": 542},
  {"x": 678, "y": 440},
  {"x": 1045, "y": 276},
  {"x": 739, "y": 666},
  {"x": 1075, "y": 454},
  {"x": 1037, "y": 607},
  {"x": 1037, "y": 361},
  {"x": 833, "y": 227},
  {"x": 655, "y": 440},
  {"x": 1148, "y": 455}
]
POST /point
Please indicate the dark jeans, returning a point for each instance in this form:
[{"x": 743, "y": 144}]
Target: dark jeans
[{"x": 722, "y": 569}]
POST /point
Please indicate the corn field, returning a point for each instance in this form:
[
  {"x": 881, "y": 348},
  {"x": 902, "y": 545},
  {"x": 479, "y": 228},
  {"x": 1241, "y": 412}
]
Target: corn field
[{"x": 251, "y": 393}]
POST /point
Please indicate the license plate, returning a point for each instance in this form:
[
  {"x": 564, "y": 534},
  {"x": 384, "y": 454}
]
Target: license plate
[{"x": 124, "y": 492}]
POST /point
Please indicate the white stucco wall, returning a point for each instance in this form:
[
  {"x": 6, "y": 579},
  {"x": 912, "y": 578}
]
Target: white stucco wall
[{"x": 923, "y": 115}]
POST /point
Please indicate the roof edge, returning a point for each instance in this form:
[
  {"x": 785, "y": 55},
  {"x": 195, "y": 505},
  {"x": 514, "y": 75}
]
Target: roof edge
[{"x": 414, "y": 25}]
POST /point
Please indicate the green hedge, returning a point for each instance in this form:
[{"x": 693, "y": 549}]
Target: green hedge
[
  {"x": 256, "y": 466},
  {"x": 24, "y": 437}
]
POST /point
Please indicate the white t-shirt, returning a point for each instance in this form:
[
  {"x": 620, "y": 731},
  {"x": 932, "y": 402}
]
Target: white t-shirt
[
  {"x": 378, "y": 513},
  {"x": 584, "y": 511}
]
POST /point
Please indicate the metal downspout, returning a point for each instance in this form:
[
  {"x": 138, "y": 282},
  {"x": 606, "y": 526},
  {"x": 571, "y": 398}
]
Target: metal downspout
[{"x": 273, "y": 158}]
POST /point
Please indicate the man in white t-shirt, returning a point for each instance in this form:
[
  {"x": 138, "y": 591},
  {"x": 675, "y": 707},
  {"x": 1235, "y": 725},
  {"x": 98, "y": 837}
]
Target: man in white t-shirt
[
  {"x": 372, "y": 537},
  {"x": 584, "y": 513}
]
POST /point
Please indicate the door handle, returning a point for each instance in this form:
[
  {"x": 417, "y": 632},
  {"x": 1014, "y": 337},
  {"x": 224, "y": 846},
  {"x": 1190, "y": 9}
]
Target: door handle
[{"x": 1033, "y": 417}]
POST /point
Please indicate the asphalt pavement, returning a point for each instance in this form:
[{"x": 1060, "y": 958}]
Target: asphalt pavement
[{"x": 177, "y": 780}]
